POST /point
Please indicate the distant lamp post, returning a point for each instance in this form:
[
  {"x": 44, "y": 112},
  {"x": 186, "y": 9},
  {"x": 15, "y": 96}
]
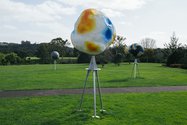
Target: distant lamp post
[{"x": 55, "y": 56}]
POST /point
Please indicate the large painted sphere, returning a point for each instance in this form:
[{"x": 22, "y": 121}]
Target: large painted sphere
[
  {"x": 136, "y": 50},
  {"x": 93, "y": 32},
  {"x": 54, "y": 55}
]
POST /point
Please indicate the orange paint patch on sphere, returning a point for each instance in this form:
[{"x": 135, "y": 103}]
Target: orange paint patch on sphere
[
  {"x": 87, "y": 22},
  {"x": 92, "y": 47},
  {"x": 113, "y": 38}
]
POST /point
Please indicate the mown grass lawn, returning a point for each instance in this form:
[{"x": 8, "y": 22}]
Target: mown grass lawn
[
  {"x": 166, "y": 108},
  {"x": 73, "y": 75}
]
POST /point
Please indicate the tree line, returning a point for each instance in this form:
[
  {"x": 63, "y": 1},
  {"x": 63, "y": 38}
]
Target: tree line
[{"x": 173, "y": 54}]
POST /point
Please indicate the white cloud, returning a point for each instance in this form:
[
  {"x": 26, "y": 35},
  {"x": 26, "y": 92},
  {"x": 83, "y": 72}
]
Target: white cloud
[
  {"x": 100, "y": 4},
  {"x": 7, "y": 27},
  {"x": 47, "y": 11},
  {"x": 41, "y": 22},
  {"x": 126, "y": 23},
  {"x": 112, "y": 13},
  {"x": 109, "y": 7},
  {"x": 52, "y": 18}
]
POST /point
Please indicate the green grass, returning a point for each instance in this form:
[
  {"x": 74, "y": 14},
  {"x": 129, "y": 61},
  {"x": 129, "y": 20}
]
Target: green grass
[
  {"x": 73, "y": 75},
  {"x": 33, "y": 58},
  {"x": 70, "y": 58},
  {"x": 166, "y": 108}
]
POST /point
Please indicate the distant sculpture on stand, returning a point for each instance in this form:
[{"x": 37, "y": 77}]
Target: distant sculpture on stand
[
  {"x": 55, "y": 56},
  {"x": 136, "y": 50},
  {"x": 93, "y": 33}
]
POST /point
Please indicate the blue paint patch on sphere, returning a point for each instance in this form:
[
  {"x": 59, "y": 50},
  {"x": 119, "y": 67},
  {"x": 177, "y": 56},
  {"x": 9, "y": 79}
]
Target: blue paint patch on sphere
[
  {"x": 108, "y": 21},
  {"x": 136, "y": 50},
  {"x": 108, "y": 34},
  {"x": 73, "y": 32}
]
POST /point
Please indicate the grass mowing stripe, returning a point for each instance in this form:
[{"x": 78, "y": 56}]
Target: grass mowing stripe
[
  {"x": 165, "y": 108},
  {"x": 72, "y": 76}
]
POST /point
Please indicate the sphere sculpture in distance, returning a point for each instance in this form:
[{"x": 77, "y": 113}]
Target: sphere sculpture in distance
[
  {"x": 55, "y": 55},
  {"x": 136, "y": 50},
  {"x": 93, "y": 32}
]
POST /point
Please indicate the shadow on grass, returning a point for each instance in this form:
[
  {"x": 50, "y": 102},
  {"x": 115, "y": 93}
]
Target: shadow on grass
[
  {"x": 124, "y": 80},
  {"x": 119, "y": 80},
  {"x": 51, "y": 122},
  {"x": 139, "y": 77},
  {"x": 78, "y": 115}
]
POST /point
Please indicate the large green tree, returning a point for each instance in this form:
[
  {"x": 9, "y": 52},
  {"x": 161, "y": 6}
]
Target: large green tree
[
  {"x": 43, "y": 52},
  {"x": 174, "y": 51},
  {"x": 118, "y": 49},
  {"x": 172, "y": 46},
  {"x": 2, "y": 58},
  {"x": 58, "y": 44}
]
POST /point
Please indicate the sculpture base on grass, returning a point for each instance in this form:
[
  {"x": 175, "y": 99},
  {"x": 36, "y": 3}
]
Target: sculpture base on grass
[
  {"x": 135, "y": 70},
  {"x": 94, "y": 69}
]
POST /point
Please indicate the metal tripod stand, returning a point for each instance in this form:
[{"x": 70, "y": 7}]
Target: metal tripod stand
[
  {"x": 93, "y": 67},
  {"x": 135, "y": 69}
]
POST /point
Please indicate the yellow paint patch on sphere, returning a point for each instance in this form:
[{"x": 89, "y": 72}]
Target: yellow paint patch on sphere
[
  {"x": 92, "y": 47},
  {"x": 113, "y": 38},
  {"x": 87, "y": 22}
]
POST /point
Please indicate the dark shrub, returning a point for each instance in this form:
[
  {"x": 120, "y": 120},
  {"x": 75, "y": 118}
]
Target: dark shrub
[
  {"x": 83, "y": 58},
  {"x": 175, "y": 57}
]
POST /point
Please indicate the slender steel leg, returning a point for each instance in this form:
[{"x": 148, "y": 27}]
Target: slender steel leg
[
  {"x": 92, "y": 67},
  {"x": 94, "y": 90},
  {"x": 138, "y": 70},
  {"x": 99, "y": 90},
  {"x": 80, "y": 107},
  {"x": 54, "y": 64},
  {"x": 132, "y": 71}
]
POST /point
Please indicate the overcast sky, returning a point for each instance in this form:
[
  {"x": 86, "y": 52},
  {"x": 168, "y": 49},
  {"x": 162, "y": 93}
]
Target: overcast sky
[{"x": 42, "y": 20}]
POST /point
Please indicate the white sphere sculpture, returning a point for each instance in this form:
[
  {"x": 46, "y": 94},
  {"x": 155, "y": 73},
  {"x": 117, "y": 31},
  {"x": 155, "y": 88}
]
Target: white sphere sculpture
[{"x": 93, "y": 32}]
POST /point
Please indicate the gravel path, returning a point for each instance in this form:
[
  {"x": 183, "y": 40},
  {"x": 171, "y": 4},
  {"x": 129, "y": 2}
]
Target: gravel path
[{"x": 22, "y": 93}]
